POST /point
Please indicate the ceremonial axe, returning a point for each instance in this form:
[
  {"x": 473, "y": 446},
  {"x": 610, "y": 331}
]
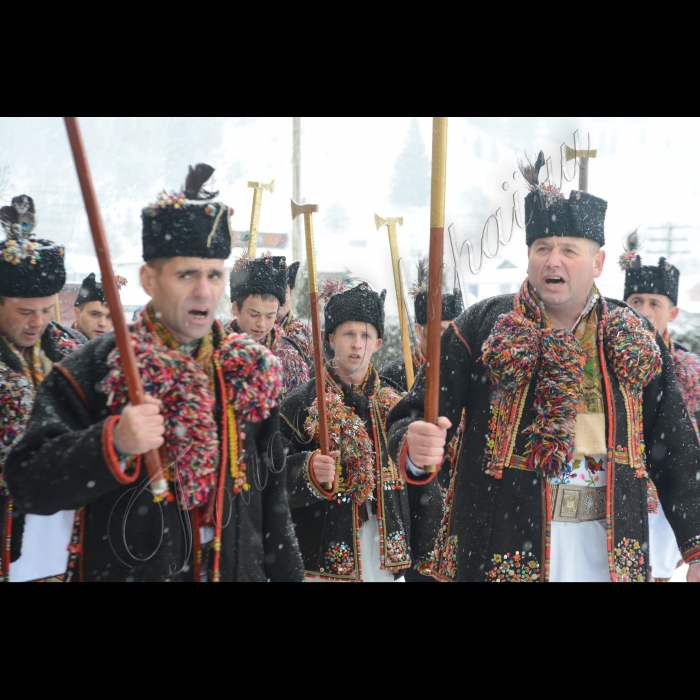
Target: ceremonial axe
[
  {"x": 391, "y": 225},
  {"x": 584, "y": 157},
  {"x": 258, "y": 188},
  {"x": 308, "y": 210}
]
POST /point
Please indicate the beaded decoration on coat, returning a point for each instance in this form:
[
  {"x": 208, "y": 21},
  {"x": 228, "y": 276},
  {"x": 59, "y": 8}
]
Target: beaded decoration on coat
[
  {"x": 520, "y": 346},
  {"x": 183, "y": 383},
  {"x": 17, "y": 392}
]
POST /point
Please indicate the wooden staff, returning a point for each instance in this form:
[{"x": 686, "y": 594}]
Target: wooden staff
[
  {"x": 159, "y": 485},
  {"x": 308, "y": 210},
  {"x": 258, "y": 188},
  {"x": 584, "y": 160},
  {"x": 391, "y": 225},
  {"x": 57, "y": 309},
  {"x": 437, "y": 260}
]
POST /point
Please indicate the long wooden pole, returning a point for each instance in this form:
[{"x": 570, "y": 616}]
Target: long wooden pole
[
  {"x": 159, "y": 485},
  {"x": 437, "y": 259},
  {"x": 308, "y": 210}
]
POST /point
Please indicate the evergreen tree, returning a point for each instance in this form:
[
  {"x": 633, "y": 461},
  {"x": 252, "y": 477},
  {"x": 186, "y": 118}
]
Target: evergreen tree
[{"x": 411, "y": 183}]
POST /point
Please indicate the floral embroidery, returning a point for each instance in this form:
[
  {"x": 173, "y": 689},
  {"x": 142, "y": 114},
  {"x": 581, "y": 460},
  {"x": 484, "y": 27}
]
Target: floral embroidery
[
  {"x": 630, "y": 562},
  {"x": 652, "y": 498},
  {"x": 341, "y": 560},
  {"x": 691, "y": 548},
  {"x": 520, "y": 568},
  {"x": 300, "y": 333},
  {"x": 397, "y": 549}
]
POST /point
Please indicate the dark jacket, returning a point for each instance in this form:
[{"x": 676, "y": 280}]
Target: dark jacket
[
  {"x": 406, "y": 513},
  {"x": 16, "y": 401},
  {"x": 492, "y": 519},
  {"x": 65, "y": 462}
]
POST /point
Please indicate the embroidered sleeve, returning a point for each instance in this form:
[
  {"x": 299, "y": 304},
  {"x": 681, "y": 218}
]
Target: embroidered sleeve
[
  {"x": 691, "y": 551},
  {"x": 16, "y": 400}
]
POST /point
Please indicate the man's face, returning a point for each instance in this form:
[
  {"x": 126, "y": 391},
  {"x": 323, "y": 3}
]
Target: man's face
[
  {"x": 354, "y": 344},
  {"x": 186, "y": 293},
  {"x": 23, "y": 321},
  {"x": 284, "y": 310},
  {"x": 94, "y": 320},
  {"x": 257, "y": 317},
  {"x": 562, "y": 272},
  {"x": 657, "y": 308},
  {"x": 422, "y": 333}
]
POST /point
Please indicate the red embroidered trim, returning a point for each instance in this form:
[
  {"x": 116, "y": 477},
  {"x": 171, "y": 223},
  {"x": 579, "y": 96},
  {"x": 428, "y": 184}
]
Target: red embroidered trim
[
  {"x": 73, "y": 382},
  {"x": 461, "y": 338},
  {"x": 403, "y": 457},
  {"x": 110, "y": 456},
  {"x": 326, "y": 494}
]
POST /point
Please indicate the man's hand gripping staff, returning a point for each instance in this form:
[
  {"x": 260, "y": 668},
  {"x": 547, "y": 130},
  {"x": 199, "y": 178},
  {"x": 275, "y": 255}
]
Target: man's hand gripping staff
[
  {"x": 323, "y": 464},
  {"x": 141, "y": 427}
]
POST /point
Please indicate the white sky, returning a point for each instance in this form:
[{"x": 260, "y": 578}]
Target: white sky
[{"x": 646, "y": 171}]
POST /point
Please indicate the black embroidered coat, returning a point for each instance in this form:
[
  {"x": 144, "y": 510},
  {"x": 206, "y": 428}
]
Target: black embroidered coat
[
  {"x": 16, "y": 401},
  {"x": 65, "y": 462},
  {"x": 491, "y": 522},
  {"x": 328, "y": 528}
]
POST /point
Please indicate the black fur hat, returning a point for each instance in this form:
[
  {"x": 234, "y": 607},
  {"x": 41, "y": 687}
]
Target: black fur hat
[
  {"x": 345, "y": 304},
  {"x": 258, "y": 276},
  {"x": 548, "y": 213},
  {"x": 663, "y": 279},
  {"x": 92, "y": 290},
  {"x": 292, "y": 272},
  {"x": 189, "y": 224},
  {"x": 452, "y": 304},
  {"x": 452, "y": 307},
  {"x": 30, "y": 268}
]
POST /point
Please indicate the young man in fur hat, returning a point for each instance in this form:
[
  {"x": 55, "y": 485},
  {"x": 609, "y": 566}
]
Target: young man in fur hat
[
  {"x": 355, "y": 517},
  {"x": 452, "y": 308},
  {"x": 211, "y": 411},
  {"x": 570, "y": 403},
  {"x": 92, "y": 315},
  {"x": 258, "y": 290},
  {"x": 293, "y": 328},
  {"x": 32, "y": 272},
  {"x": 653, "y": 292}
]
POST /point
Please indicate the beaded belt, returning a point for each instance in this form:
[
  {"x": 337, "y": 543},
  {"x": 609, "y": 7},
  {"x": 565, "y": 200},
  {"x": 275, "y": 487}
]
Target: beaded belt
[{"x": 579, "y": 504}]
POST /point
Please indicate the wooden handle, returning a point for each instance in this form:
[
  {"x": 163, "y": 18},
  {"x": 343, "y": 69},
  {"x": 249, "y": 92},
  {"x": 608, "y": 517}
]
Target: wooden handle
[
  {"x": 159, "y": 484},
  {"x": 437, "y": 257},
  {"x": 403, "y": 311}
]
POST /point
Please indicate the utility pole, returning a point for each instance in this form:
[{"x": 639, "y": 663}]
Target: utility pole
[
  {"x": 297, "y": 231},
  {"x": 669, "y": 240}
]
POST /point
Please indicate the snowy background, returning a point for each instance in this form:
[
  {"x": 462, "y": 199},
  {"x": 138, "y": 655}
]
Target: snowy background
[{"x": 354, "y": 167}]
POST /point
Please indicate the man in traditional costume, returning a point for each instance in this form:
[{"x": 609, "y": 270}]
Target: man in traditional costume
[
  {"x": 92, "y": 315},
  {"x": 258, "y": 290},
  {"x": 211, "y": 411},
  {"x": 571, "y": 408},
  {"x": 293, "y": 328},
  {"x": 369, "y": 526},
  {"x": 653, "y": 292},
  {"x": 452, "y": 308},
  {"x": 32, "y": 272}
]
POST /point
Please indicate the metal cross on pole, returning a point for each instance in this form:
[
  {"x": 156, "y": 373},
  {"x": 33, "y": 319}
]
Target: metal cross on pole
[{"x": 584, "y": 157}]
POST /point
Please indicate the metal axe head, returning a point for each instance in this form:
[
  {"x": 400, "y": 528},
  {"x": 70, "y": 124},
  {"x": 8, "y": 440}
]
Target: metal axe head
[
  {"x": 270, "y": 187},
  {"x": 299, "y": 209},
  {"x": 571, "y": 154},
  {"x": 398, "y": 221}
]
